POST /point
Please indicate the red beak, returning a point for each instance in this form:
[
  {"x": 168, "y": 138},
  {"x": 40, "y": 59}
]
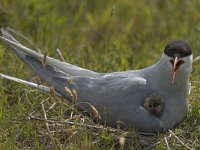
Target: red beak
[
  {"x": 174, "y": 69},
  {"x": 176, "y": 63}
]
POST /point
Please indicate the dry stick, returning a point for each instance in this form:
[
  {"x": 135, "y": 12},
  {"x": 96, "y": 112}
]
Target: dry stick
[
  {"x": 47, "y": 124},
  {"x": 180, "y": 140},
  {"x": 24, "y": 37},
  {"x": 45, "y": 116},
  {"x": 71, "y": 114},
  {"x": 97, "y": 127},
  {"x": 196, "y": 59},
  {"x": 74, "y": 110},
  {"x": 168, "y": 148},
  {"x": 156, "y": 143},
  {"x": 193, "y": 144},
  {"x": 72, "y": 135},
  {"x": 51, "y": 107},
  {"x": 73, "y": 123},
  {"x": 60, "y": 55}
]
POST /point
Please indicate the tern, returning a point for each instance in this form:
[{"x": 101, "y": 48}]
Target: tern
[{"x": 118, "y": 96}]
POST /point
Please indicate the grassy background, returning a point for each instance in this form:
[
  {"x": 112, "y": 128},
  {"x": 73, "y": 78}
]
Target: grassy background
[{"x": 102, "y": 36}]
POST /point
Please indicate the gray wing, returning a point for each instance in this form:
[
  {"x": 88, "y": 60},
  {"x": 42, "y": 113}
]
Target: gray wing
[
  {"x": 65, "y": 67},
  {"x": 117, "y": 98},
  {"x": 51, "y": 75}
]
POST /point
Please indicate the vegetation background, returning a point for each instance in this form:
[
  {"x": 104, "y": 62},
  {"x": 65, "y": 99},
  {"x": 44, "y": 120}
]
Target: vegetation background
[{"x": 102, "y": 36}]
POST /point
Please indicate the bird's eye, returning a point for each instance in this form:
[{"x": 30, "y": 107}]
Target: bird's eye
[{"x": 150, "y": 106}]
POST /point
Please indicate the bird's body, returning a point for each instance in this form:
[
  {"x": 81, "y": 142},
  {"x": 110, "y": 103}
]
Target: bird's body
[{"x": 118, "y": 95}]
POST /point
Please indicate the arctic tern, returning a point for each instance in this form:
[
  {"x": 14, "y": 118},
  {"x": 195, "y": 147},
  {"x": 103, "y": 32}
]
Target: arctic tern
[{"x": 118, "y": 96}]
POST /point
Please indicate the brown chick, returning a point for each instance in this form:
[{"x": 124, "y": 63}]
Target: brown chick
[{"x": 154, "y": 105}]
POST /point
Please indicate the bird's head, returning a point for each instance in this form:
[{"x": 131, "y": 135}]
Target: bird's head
[
  {"x": 154, "y": 105},
  {"x": 179, "y": 56}
]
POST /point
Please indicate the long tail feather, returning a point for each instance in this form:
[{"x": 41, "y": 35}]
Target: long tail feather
[
  {"x": 65, "y": 67},
  {"x": 27, "y": 83},
  {"x": 50, "y": 74}
]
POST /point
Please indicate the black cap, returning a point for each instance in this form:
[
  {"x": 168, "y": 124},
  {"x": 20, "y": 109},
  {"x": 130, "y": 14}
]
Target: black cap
[{"x": 180, "y": 48}]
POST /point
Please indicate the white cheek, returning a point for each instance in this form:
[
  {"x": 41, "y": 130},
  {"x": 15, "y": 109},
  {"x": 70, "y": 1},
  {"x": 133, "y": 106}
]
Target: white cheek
[{"x": 187, "y": 66}]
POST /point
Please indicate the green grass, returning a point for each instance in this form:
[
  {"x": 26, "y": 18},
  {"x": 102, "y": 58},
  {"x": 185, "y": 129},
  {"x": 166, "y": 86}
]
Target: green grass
[{"x": 99, "y": 35}]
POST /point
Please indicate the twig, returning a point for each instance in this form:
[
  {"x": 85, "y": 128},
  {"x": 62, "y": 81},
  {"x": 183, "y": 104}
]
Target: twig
[
  {"x": 51, "y": 107},
  {"x": 24, "y": 37},
  {"x": 180, "y": 140},
  {"x": 47, "y": 124},
  {"x": 72, "y": 135},
  {"x": 45, "y": 116},
  {"x": 168, "y": 148},
  {"x": 75, "y": 110},
  {"x": 153, "y": 146},
  {"x": 75, "y": 123},
  {"x": 71, "y": 114},
  {"x": 196, "y": 59},
  {"x": 96, "y": 127},
  {"x": 193, "y": 144},
  {"x": 60, "y": 55}
]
